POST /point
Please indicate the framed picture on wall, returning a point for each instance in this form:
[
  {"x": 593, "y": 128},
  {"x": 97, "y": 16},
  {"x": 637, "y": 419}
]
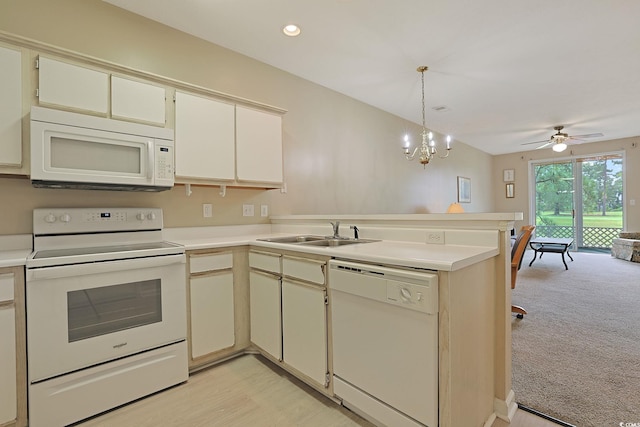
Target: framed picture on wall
[
  {"x": 508, "y": 175},
  {"x": 510, "y": 191},
  {"x": 464, "y": 190}
]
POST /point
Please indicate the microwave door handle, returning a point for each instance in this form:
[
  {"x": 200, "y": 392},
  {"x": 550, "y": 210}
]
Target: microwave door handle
[{"x": 149, "y": 160}]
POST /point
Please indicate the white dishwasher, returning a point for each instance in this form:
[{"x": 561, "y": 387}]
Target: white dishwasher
[{"x": 385, "y": 342}]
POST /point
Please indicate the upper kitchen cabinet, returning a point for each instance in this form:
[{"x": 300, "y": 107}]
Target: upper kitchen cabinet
[
  {"x": 65, "y": 85},
  {"x": 10, "y": 108},
  {"x": 258, "y": 146},
  {"x": 205, "y": 138},
  {"x": 139, "y": 101}
]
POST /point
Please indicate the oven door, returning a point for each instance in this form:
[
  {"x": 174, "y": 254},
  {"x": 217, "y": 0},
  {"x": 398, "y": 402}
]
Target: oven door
[{"x": 85, "y": 314}]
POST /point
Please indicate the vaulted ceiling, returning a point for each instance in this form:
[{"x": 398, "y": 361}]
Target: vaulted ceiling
[{"x": 507, "y": 71}]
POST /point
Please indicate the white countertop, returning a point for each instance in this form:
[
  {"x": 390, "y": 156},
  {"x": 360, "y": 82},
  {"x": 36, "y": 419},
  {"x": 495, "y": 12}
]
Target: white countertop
[
  {"x": 407, "y": 254},
  {"x": 14, "y": 258},
  {"x": 14, "y": 250}
]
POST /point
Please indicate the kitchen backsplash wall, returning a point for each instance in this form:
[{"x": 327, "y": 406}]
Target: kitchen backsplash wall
[
  {"x": 341, "y": 156},
  {"x": 18, "y": 198}
]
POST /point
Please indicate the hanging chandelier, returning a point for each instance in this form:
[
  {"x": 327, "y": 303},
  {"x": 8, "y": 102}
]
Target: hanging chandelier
[{"x": 427, "y": 149}]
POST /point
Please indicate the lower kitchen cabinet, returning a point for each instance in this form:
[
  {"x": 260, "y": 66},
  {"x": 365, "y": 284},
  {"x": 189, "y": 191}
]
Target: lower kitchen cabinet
[
  {"x": 13, "y": 381},
  {"x": 266, "y": 325},
  {"x": 211, "y": 306},
  {"x": 211, "y": 313},
  {"x": 304, "y": 329},
  {"x": 288, "y": 306}
]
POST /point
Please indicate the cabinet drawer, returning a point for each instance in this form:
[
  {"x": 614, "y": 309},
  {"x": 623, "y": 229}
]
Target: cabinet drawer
[
  {"x": 304, "y": 269},
  {"x": 209, "y": 262},
  {"x": 6, "y": 287},
  {"x": 265, "y": 261}
]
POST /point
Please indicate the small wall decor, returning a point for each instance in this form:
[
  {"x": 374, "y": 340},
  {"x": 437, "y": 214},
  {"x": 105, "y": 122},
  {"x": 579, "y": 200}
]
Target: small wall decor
[
  {"x": 508, "y": 175},
  {"x": 510, "y": 190},
  {"x": 464, "y": 190}
]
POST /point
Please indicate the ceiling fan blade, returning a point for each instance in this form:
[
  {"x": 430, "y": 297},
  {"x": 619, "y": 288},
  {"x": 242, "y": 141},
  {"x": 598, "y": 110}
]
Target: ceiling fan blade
[
  {"x": 589, "y": 135},
  {"x": 544, "y": 145},
  {"x": 536, "y": 142}
]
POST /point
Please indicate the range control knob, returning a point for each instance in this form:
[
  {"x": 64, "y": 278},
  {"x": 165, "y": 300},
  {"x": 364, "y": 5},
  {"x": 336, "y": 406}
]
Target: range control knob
[
  {"x": 141, "y": 216},
  {"x": 65, "y": 217},
  {"x": 151, "y": 216},
  {"x": 50, "y": 218}
]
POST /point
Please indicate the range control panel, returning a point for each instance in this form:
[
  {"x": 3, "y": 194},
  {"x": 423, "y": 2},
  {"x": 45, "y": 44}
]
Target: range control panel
[{"x": 95, "y": 220}]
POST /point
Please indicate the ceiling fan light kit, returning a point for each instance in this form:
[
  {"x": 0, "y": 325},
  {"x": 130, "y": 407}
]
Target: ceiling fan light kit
[
  {"x": 559, "y": 147},
  {"x": 427, "y": 148}
]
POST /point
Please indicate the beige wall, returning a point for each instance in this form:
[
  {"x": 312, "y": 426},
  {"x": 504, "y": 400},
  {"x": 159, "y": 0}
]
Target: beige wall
[
  {"x": 520, "y": 163},
  {"x": 341, "y": 156}
]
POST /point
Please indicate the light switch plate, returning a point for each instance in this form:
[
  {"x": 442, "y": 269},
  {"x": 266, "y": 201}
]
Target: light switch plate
[
  {"x": 207, "y": 210},
  {"x": 264, "y": 210}
]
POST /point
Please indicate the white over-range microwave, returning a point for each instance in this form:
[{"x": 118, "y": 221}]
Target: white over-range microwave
[{"x": 71, "y": 150}]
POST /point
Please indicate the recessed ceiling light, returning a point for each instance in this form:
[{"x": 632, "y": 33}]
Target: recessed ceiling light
[{"x": 291, "y": 30}]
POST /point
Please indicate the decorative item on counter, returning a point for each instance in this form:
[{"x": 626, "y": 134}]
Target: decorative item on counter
[{"x": 455, "y": 208}]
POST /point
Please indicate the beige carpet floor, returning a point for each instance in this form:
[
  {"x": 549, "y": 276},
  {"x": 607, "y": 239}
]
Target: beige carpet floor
[{"x": 576, "y": 355}]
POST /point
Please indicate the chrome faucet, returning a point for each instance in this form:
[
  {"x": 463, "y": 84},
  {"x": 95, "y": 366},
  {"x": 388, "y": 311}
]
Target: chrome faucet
[
  {"x": 355, "y": 231},
  {"x": 336, "y": 229}
]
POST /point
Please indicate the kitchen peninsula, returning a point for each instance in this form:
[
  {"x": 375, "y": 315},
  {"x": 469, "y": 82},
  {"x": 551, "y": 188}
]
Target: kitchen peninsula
[{"x": 470, "y": 257}]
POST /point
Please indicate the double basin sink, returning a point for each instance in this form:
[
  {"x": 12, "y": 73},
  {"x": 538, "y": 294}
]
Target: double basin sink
[{"x": 317, "y": 240}]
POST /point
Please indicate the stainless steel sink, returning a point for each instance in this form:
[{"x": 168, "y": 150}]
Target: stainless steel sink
[
  {"x": 316, "y": 240},
  {"x": 293, "y": 239},
  {"x": 337, "y": 242}
]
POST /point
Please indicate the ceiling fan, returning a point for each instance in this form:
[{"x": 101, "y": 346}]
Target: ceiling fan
[{"x": 560, "y": 139}]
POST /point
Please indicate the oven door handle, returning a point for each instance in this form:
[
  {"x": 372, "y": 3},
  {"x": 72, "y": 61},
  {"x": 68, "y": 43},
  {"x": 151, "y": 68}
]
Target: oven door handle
[{"x": 103, "y": 267}]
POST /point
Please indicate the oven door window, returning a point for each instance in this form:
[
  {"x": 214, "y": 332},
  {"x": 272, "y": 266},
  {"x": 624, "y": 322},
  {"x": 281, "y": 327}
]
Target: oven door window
[{"x": 100, "y": 311}]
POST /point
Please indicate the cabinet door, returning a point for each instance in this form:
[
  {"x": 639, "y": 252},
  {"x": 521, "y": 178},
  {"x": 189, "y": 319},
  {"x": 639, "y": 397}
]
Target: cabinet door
[
  {"x": 136, "y": 100},
  {"x": 212, "y": 313},
  {"x": 266, "y": 329},
  {"x": 205, "y": 138},
  {"x": 10, "y": 107},
  {"x": 304, "y": 329},
  {"x": 72, "y": 86},
  {"x": 8, "y": 403},
  {"x": 259, "y": 146}
]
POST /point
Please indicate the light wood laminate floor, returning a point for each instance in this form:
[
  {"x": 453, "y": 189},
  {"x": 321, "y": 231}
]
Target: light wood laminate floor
[{"x": 246, "y": 391}]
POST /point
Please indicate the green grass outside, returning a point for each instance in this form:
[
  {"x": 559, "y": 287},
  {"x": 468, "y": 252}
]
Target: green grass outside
[{"x": 611, "y": 220}]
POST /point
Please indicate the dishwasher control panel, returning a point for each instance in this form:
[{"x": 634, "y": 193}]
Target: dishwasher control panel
[
  {"x": 413, "y": 290},
  {"x": 416, "y": 297}
]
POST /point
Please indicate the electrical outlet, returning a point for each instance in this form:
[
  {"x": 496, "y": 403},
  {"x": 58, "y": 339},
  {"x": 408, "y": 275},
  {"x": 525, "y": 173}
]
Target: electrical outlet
[
  {"x": 248, "y": 210},
  {"x": 207, "y": 210},
  {"x": 264, "y": 210},
  {"x": 436, "y": 237}
]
